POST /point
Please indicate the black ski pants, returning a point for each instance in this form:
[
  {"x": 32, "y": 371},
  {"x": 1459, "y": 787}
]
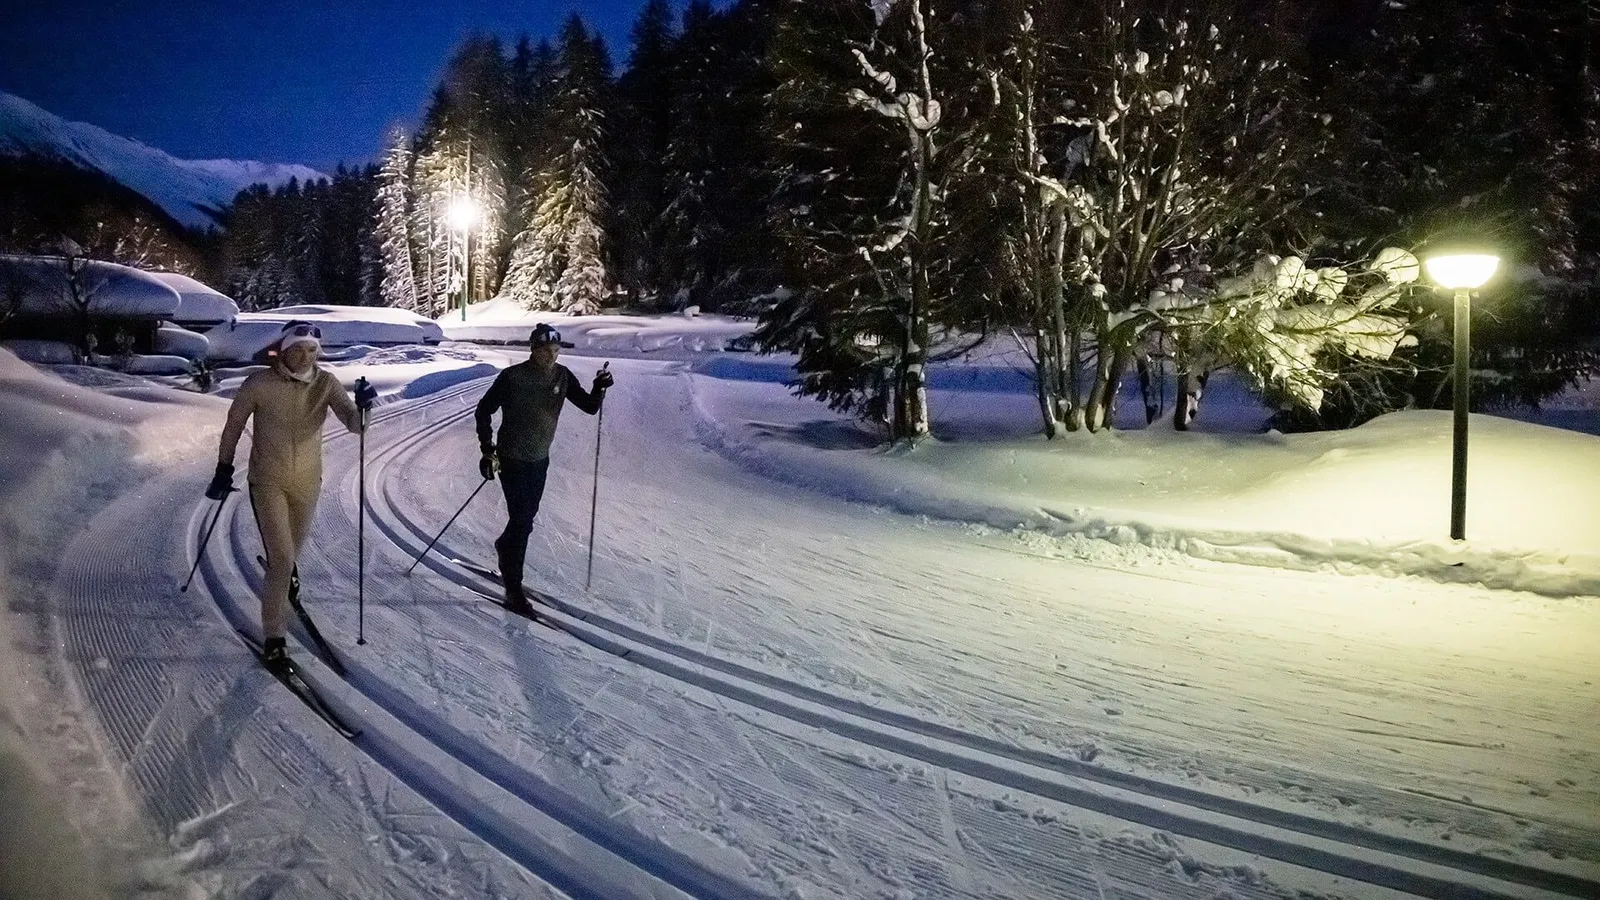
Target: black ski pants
[{"x": 523, "y": 483}]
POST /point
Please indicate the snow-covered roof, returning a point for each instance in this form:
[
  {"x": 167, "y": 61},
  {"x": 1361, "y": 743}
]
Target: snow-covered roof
[
  {"x": 381, "y": 315},
  {"x": 247, "y": 334},
  {"x": 201, "y": 304},
  {"x": 41, "y": 287}
]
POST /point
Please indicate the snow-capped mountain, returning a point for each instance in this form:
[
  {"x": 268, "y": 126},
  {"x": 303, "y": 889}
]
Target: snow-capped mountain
[{"x": 186, "y": 189}]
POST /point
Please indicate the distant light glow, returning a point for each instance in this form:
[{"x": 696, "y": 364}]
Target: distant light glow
[
  {"x": 462, "y": 214},
  {"x": 1460, "y": 271}
]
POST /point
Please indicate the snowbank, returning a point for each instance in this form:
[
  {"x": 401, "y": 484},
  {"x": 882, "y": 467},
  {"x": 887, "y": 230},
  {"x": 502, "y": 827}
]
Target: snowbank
[
  {"x": 154, "y": 364},
  {"x": 1375, "y": 497},
  {"x": 65, "y": 452},
  {"x": 500, "y": 321},
  {"x": 342, "y": 326},
  {"x": 67, "y": 448},
  {"x": 174, "y": 358},
  {"x": 45, "y": 352},
  {"x": 173, "y": 340}
]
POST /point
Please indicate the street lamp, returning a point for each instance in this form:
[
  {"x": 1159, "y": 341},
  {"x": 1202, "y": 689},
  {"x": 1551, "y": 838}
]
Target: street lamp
[
  {"x": 1461, "y": 271},
  {"x": 462, "y": 216}
]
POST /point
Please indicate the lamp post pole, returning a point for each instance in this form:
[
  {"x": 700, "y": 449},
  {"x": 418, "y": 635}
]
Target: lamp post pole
[
  {"x": 1460, "y": 272},
  {"x": 466, "y": 256},
  {"x": 1462, "y": 375}
]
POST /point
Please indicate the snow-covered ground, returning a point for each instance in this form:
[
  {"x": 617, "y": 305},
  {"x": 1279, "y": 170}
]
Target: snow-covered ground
[{"x": 805, "y": 666}]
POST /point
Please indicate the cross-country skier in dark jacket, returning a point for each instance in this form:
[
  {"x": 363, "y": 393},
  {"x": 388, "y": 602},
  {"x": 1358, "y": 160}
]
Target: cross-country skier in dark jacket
[{"x": 529, "y": 397}]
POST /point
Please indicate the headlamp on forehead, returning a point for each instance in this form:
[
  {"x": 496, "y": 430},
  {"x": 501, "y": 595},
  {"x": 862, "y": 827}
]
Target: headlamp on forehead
[
  {"x": 544, "y": 334},
  {"x": 297, "y": 333}
]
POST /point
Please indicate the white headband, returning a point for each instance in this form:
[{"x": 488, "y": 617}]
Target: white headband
[{"x": 294, "y": 339}]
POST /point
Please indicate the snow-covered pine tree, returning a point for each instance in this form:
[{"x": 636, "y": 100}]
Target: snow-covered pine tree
[
  {"x": 398, "y": 287},
  {"x": 687, "y": 226},
  {"x": 533, "y": 80},
  {"x": 306, "y": 259},
  {"x": 641, "y": 131},
  {"x": 558, "y": 261},
  {"x": 862, "y": 135},
  {"x": 1293, "y": 329},
  {"x": 583, "y": 101},
  {"x": 268, "y": 247},
  {"x": 717, "y": 250},
  {"x": 461, "y": 157},
  {"x": 1443, "y": 107},
  {"x": 345, "y": 212}
]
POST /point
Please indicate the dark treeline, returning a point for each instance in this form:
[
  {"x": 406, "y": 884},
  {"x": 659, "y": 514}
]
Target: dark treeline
[
  {"x": 586, "y": 188},
  {"x": 303, "y": 243},
  {"x": 46, "y": 203}
]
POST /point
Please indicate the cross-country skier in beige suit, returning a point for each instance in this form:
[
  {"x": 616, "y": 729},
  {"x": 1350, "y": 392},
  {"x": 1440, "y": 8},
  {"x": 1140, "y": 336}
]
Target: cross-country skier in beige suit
[{"x": 290, "y": 402}]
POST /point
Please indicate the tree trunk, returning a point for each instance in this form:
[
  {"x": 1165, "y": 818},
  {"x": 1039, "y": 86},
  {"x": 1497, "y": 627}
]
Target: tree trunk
[
  {"x": 1044, "y": 382},
  {"x": 1113, "y": 362},
  {"x": 1075, "y": 415},
  {"x": 1191, "y": 386},
  {"x": 1148, "y": 386},
  {"x": 1068, "y": 387}
]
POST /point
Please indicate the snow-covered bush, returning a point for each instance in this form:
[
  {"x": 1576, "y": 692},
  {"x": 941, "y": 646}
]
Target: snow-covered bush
[{"x": 1283, "y": 321}]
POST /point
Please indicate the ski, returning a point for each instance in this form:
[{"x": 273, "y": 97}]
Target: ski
[
  {"x": 291, "y": 678},
  {"x": 530, "y": 614},
  {"x": 492, "y": 575},
  {"x": 476, "y": 569},
  {"x": 324, "y": 649}
]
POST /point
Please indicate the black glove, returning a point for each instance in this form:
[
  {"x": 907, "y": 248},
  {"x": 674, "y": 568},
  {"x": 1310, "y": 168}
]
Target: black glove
[
  {"x": 603, "y": 380},
  {"x": 366, "y": 394},
  {"x": 487, "y": 465},
  {"x": 221, "y": 483}
]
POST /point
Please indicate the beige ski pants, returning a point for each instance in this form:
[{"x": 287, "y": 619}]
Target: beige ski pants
[{"x": 284, "y": 514}]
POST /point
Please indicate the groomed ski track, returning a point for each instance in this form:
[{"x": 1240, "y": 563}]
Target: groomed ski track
[{"x": 448, "y": 746}]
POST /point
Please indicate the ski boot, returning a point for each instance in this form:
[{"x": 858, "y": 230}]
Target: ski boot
[{"x": 275, "y": 654}]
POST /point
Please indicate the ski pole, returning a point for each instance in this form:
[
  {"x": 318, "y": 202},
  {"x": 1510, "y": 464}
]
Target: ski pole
[
  {"x": 200, "y": 554},
  {"x": 446, "y": 526},
  {"x": 361, "y": 524},
  {"x": 594, "y": 497}
]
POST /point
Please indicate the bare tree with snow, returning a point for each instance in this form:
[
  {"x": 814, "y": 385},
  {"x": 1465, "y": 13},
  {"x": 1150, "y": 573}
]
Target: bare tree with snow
[{"x": 1189, "y": 150}]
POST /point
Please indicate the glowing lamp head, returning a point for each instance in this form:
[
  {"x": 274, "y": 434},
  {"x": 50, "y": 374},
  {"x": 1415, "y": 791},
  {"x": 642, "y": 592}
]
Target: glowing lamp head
[
  {"x": 462, "y": 214},
  {"x": 1461, "y": 270}
]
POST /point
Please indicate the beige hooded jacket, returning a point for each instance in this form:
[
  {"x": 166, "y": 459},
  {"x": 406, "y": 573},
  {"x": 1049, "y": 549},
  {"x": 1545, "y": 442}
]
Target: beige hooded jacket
[{"x": 286, "y": 445}]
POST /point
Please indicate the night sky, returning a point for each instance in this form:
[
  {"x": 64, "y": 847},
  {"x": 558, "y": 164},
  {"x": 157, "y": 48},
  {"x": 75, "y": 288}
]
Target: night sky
[{"x": 313, "y": 83}]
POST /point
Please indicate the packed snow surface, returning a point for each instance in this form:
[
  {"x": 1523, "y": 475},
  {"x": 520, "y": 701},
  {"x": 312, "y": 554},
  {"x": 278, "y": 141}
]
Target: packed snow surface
[{"x": 805, "y": 665}]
